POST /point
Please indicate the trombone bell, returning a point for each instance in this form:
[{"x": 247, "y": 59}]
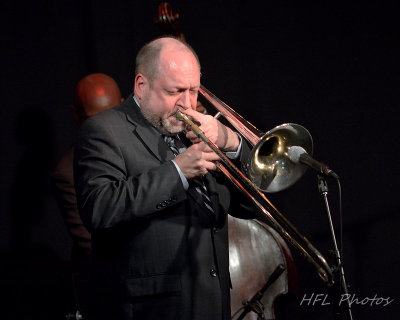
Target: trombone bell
[{"x": 269, "y": 166}]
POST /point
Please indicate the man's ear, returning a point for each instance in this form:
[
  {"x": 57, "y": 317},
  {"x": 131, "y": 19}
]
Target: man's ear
[{"x": 140, "y": 85}]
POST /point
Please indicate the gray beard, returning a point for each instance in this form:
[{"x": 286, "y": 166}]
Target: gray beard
[{"x": 162, "y": 125}]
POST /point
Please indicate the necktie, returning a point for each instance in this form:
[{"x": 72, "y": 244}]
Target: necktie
[
  {"x": 201, "y": 189},
  {"x": 177, "y": 146}
]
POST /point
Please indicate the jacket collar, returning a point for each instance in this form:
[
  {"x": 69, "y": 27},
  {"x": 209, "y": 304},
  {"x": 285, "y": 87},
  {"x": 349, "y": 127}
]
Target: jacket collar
[{"x": 145, "y": 131}]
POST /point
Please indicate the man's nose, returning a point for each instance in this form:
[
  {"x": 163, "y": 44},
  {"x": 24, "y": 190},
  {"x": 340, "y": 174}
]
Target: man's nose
[{"x": 185, "y": 100}]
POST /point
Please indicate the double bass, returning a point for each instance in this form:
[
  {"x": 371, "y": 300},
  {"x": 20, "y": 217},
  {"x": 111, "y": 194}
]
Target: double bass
[{"x": 262, "y": 270}]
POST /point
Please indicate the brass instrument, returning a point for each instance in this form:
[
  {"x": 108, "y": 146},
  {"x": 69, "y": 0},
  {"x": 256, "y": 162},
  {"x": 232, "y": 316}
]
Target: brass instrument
[{"x": 269, "y": 170}]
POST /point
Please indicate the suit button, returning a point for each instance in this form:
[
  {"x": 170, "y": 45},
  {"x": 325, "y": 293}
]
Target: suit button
[
  {"x": 213, "y": 272},
  {"x": 215, "y": 230}
]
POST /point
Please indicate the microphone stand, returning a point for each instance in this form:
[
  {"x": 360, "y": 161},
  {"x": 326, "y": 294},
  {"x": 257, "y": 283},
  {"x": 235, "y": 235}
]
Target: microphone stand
[{"x": 339, "y": 289}]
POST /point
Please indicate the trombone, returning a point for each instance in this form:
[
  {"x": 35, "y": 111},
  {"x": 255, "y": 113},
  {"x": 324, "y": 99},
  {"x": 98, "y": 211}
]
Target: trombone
[{"x": 269, "y": 170}]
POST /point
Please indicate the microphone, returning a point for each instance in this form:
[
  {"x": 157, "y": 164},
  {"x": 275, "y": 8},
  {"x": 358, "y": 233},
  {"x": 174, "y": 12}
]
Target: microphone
[{"x": 297, "y": 154}]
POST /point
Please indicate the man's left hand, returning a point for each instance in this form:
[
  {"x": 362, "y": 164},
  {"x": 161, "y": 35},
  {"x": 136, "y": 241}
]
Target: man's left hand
[{"x": 215, "y": 131}]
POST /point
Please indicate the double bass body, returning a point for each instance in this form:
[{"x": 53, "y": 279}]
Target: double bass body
[{"x": 255, "y": 252}]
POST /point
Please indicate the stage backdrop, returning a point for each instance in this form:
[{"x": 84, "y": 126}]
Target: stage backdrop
[{"x": 330, "y": 67}]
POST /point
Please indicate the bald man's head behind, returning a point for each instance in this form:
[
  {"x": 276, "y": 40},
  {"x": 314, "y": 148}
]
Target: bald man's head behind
[{"x": 95, "y": 93}]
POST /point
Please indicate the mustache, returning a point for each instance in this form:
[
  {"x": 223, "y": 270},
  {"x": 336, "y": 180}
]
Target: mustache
[{"x": 173, "y": 113}]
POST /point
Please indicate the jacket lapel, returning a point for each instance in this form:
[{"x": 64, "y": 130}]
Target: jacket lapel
[{"x": 145, "y": 132}]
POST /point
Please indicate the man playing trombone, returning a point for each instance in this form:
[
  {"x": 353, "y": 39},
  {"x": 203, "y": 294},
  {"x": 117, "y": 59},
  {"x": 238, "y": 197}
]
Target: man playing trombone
[{"x": 152, "y": 198}]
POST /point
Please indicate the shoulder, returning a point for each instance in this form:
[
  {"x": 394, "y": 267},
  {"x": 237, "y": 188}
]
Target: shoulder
[
  {"x": 127, "y": 112},
  {"x": 105, "y": 118}
]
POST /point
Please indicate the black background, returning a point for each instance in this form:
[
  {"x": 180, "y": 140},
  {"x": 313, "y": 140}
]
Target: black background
[{"x": 330, "y": 67}]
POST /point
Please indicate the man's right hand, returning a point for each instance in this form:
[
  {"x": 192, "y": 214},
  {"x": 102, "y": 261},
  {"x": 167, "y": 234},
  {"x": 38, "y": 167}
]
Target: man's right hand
[{"x": 196, "y": 160}]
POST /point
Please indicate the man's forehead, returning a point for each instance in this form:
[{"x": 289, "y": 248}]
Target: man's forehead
[{"x": 176, "y": 53}]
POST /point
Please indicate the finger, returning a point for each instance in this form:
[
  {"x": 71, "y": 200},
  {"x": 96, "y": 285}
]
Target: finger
[
  {"x": 191, "y": 135},
  {"x": 195, "y": 140},
  {"x": 200, "y": 108},
  {"x": 193, "y": 113},
  {"x": 210, "y": 156},
  {"x": 209, "y": 166},
  {"x": 201, "y": 146}
]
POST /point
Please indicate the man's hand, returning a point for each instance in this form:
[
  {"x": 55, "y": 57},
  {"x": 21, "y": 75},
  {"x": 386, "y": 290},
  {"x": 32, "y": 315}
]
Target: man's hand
[
  {"x": 222, "y": 136},
  {"x": 196, "y": 160}
]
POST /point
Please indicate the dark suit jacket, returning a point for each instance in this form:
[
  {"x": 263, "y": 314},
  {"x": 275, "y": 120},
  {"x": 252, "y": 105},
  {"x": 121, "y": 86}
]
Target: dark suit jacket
[{"x": 158, "y": 254}]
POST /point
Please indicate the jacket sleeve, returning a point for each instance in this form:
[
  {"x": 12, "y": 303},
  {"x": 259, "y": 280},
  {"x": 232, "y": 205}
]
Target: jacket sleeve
[
  {"x": 108, "y": 192},
  {"x": 241, "y": 206}
]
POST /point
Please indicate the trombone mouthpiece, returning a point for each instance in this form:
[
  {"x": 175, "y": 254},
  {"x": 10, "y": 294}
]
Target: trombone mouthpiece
[
  {"x": 183, "y": 117},
  {"x": 180, "y": 116}
]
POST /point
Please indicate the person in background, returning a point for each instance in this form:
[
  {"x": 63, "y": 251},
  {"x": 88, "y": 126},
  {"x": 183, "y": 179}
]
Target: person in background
[{"x": 94, "y": 93}]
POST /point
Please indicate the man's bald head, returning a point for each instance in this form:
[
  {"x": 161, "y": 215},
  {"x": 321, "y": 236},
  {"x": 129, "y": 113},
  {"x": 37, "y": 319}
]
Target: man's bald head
[
  {"x": 95, "y": 93},
  {"x": 148, "y": 58}
]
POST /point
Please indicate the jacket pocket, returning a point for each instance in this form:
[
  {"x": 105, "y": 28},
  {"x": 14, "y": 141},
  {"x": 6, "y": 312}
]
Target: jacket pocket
[{"x": 151, "y": 285}]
